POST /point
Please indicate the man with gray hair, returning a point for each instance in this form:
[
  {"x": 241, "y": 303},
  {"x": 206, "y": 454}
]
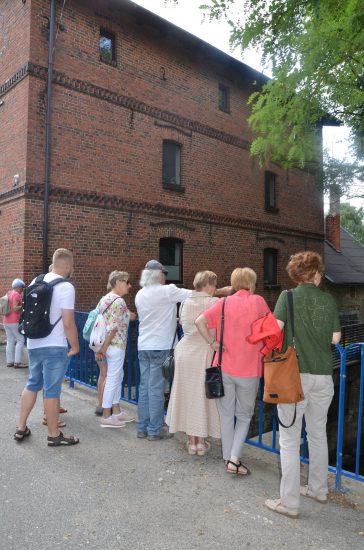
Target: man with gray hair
[{"x": 156, "y": 304}]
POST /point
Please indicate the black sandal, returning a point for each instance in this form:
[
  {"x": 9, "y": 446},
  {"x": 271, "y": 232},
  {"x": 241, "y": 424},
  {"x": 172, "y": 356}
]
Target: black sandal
[
  {"x": 62, "y": 440},
  {"x": 237, "y": 466},
  {"x": 20, "y": 435}
]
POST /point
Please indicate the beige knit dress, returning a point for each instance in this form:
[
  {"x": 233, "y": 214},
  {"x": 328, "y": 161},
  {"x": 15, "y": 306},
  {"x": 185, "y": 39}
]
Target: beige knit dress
[{"x": 189, "y": 411}]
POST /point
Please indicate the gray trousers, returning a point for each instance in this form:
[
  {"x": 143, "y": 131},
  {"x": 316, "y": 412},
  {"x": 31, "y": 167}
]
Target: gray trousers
[{"x": 238, "y": 402}]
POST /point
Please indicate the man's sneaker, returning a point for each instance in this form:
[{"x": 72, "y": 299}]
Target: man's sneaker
[
  {"x": 142, "y": 435},
  {"x": 276, "y": 506},
  {"x": 124, "y": 417},
  {"x": 164, "y": 434},
  {"x": 305, "y": 491},
  {"x": 111, "y": 422}
]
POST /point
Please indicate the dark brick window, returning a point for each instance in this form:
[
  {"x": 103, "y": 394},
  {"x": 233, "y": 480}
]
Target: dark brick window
[
  {"x": 170, "y": 255},
  {"x": 270, "y": 191},
  {"x": 172, "y": 165},
  {"x": 107, "y": 47},
  {"x": 224, "y": 98},
  {"x": 270, "y": 266}
]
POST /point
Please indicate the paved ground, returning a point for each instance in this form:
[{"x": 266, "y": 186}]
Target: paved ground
[{"x": 114, "y": 491}]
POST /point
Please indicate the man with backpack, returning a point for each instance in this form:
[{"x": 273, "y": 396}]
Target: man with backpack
[{"x": 48, "y": 323}]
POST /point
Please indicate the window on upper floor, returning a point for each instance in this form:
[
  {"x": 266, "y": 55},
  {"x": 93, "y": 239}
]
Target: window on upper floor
[
  {"x": 171, "y": 171},
  {"x": 270, "y": 191},
  {"x": 170, "y": 255},
  {"x": 107, "y": 46},
  {"x": 224, "y": 98},
  {"x": 270, "y": 266}
]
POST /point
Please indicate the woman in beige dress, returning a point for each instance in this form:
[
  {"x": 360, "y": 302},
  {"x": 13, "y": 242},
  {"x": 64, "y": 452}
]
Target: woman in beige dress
[{"x": 189, "y": 411}]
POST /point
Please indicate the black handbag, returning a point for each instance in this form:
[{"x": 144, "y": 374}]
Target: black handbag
[
  {"x": 214, "y": 386},
  {"x": 168, "y": 364}
]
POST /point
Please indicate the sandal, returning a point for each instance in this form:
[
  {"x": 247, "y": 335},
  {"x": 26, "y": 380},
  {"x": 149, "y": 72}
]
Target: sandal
[
  {"x": 203, "y": 448},
  {"x": 10, "y": 364},
  {"x": 191, "y": 448},
  {"x": 20, "y": 366},
  {"x": 237, "y": 468},
  {"x": 20, "y": 435},
  {"x": 62, "y": 440},
  {"x": 62, "y": 410},
  {"x": 60, "y": 423}
]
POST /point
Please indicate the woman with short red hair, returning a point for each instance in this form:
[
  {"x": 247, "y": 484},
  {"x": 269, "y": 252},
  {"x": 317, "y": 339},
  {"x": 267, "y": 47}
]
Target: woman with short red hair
[{"x": 316, "y": 327}]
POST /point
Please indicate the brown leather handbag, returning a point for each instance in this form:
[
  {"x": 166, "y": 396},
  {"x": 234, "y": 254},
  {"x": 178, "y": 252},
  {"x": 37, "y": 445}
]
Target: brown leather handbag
[{"x": 282, "y": 381}]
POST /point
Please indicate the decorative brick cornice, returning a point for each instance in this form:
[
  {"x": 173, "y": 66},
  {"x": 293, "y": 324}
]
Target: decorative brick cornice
[
  {"x": 133, "y": 104},
  {"x": 15, "y": 79},
  {"x": 112, "y": 202}
]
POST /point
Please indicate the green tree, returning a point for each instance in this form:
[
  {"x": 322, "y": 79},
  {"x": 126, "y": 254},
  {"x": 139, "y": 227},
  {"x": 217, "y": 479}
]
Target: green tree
[
  {"x": 352, "y": 219},
  {"x": 315, "y": 50}
]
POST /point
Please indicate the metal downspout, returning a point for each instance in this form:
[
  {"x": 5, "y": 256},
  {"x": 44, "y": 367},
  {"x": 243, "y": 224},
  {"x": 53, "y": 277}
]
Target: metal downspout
[{"x": 48, "y": 135}]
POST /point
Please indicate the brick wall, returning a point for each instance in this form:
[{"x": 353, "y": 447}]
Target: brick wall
[{"x": 107, "y": 200}]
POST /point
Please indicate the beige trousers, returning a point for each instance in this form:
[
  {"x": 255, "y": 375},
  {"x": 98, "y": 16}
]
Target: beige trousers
[{"x": 318, "y": 391}]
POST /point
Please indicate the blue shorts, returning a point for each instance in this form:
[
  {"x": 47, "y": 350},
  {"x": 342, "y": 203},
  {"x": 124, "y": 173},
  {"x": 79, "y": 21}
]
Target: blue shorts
[{"x": 47, "y": 368}]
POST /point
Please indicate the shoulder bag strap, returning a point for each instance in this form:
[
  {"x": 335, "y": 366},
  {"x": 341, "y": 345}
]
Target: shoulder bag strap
[
  {"x": 222, "y": 332},
  {"x": 291, "y": 314},
  {"x": 110, "y": 304}
]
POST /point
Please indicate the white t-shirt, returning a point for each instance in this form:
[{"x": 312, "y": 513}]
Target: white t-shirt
[
  {"x": 63, "y": 297},
  {"x": 157, "y": 312}
]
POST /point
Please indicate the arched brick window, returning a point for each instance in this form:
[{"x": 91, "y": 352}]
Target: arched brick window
[
  {"x": 170, "y": 255},
  {"x": 270, "y": 266}
]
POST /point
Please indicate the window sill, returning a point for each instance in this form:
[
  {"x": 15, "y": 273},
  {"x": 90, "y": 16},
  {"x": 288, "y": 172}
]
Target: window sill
[
  {"x": 174, "y": 187},
  {"x": 268, "y": 286},
  {"x": 112, "y": 63},
  {"x": 272, "y": 210},
  {"x": 227, "y": 111}
]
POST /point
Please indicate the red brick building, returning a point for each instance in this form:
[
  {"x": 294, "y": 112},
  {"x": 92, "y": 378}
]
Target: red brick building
[{"x": 149, "y": 152}]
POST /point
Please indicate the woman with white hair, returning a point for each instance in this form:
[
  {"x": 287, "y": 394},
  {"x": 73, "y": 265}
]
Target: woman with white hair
[
  {"x": 117, "y": 317},
  {"x": 14, "y": 340}
]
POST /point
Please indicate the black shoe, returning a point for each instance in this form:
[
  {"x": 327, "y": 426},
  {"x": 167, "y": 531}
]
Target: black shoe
[
  {"x": 142, "y": 435},
  {"x": 164, "y": 434}
]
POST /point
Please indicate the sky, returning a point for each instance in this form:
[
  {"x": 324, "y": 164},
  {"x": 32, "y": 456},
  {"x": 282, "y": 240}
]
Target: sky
[{"x": 186, "y": 14}]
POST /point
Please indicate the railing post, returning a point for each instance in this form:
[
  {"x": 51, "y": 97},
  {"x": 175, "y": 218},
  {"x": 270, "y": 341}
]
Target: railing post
[
  {"x": 340, "y": 424},
  {"x": 360, "y": 410}
]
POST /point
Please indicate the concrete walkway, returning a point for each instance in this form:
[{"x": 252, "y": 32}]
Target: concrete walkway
[{"x": 113, "y": 491}]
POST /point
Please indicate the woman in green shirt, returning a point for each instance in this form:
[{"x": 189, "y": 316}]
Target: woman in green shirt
[{"x": 316, "y": 327}]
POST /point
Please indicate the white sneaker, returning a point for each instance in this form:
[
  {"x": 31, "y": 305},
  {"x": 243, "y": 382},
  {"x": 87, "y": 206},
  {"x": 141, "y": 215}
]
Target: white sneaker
[
  {"x": 111, "y": 422},
  {"x": 124, "y": 417}
]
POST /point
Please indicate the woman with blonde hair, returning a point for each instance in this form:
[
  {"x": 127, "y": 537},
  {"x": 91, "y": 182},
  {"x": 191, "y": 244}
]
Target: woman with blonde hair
[
  {"x": 117, "y": 317},
  {"x": 242, "y": 363},
  {"x": 189, "y": 411}
]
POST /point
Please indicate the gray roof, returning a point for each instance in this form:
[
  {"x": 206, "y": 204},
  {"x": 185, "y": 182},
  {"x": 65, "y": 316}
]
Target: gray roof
[{"x": 346, "y": 266}]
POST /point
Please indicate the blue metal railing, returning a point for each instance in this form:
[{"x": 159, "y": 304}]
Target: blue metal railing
[{"x": 83, "y": 369}]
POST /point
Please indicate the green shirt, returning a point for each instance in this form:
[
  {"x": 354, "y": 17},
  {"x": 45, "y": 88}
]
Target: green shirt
[{"x": 315, "y": 320}]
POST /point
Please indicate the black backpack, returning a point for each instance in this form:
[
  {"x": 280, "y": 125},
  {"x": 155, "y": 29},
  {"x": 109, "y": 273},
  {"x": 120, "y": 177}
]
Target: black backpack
[{"x": 34, "y": 320}]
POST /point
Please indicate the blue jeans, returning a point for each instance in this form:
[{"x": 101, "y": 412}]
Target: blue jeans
[
  {"x": 151, "y": 391},
  {"x": 47, "y": 367}
]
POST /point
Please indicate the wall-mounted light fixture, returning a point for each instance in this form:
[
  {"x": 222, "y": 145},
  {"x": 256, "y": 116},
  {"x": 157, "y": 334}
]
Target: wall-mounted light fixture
[
  {"x": 16, "y": 180},
  {"x": 2, "y": 102}
]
